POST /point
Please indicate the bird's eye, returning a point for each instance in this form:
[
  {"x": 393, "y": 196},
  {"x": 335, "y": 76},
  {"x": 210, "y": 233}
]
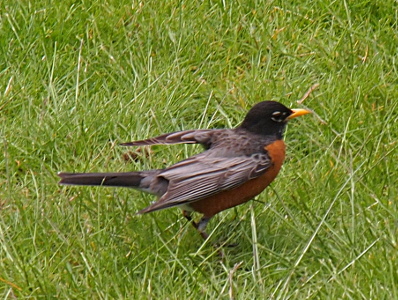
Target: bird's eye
[{"x": 278, "y": 116}]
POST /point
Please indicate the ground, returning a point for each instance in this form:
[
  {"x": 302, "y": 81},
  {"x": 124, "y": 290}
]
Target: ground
[{"x": 79, "y": 77}]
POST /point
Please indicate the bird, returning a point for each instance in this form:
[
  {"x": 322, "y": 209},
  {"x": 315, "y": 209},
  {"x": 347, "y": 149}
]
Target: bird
[{"x": 236, "y": 165}]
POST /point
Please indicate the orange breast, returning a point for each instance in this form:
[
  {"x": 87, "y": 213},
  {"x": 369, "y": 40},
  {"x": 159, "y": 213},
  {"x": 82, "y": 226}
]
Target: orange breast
[{"x": 247, "y": 191}]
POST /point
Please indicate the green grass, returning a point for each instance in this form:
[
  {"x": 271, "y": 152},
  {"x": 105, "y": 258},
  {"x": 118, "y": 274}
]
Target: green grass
[{"x": 79, "y": 77}]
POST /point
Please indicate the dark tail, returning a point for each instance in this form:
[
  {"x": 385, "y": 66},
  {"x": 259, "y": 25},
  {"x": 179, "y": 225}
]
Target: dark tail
[{"x": 128, "y": 179}]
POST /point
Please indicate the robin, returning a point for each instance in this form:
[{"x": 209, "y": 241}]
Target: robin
[{"x": 237, "y": 165}]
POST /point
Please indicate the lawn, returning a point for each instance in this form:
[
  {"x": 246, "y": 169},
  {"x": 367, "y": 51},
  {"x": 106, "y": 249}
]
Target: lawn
[{"x": 77, "y": 78}]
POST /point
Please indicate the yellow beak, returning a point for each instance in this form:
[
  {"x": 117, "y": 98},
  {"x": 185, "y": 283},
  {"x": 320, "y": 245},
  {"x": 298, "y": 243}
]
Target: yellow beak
[{"x": 298, "y": 112}]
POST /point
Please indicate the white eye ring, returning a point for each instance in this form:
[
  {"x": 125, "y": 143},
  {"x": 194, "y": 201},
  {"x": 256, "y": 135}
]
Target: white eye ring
[{"x": 277, "y": 116}]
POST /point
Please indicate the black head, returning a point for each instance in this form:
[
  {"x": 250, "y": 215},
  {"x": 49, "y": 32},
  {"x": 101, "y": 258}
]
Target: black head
[{"x": 269, "y": 118}]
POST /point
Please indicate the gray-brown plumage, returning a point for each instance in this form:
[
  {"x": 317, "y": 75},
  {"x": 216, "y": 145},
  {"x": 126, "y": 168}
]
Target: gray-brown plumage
[{"x": 233, "y": 159}]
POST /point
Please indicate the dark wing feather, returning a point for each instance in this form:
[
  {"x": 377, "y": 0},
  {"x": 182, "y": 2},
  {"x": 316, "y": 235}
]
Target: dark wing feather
[
  {"x": 202, "y": 176},
  {"x": 201, "y": 136}
]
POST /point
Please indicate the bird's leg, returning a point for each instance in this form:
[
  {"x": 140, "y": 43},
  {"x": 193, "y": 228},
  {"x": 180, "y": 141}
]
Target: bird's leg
[
  {"x": 187, "y": 215},
  {"x": 200, "y": 227}
]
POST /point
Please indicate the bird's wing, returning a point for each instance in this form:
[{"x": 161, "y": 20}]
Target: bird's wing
[
  {"x": 201, "y": 136},
  {"x": 202, "y": 176}
]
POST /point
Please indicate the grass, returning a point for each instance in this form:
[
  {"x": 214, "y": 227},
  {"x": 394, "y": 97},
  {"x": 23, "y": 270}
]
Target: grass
[{"x": 77, "y": 78}]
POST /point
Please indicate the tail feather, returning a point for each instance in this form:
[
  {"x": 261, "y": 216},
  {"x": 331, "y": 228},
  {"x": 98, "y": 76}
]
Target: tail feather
[{"x": 128, "y": 179}]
